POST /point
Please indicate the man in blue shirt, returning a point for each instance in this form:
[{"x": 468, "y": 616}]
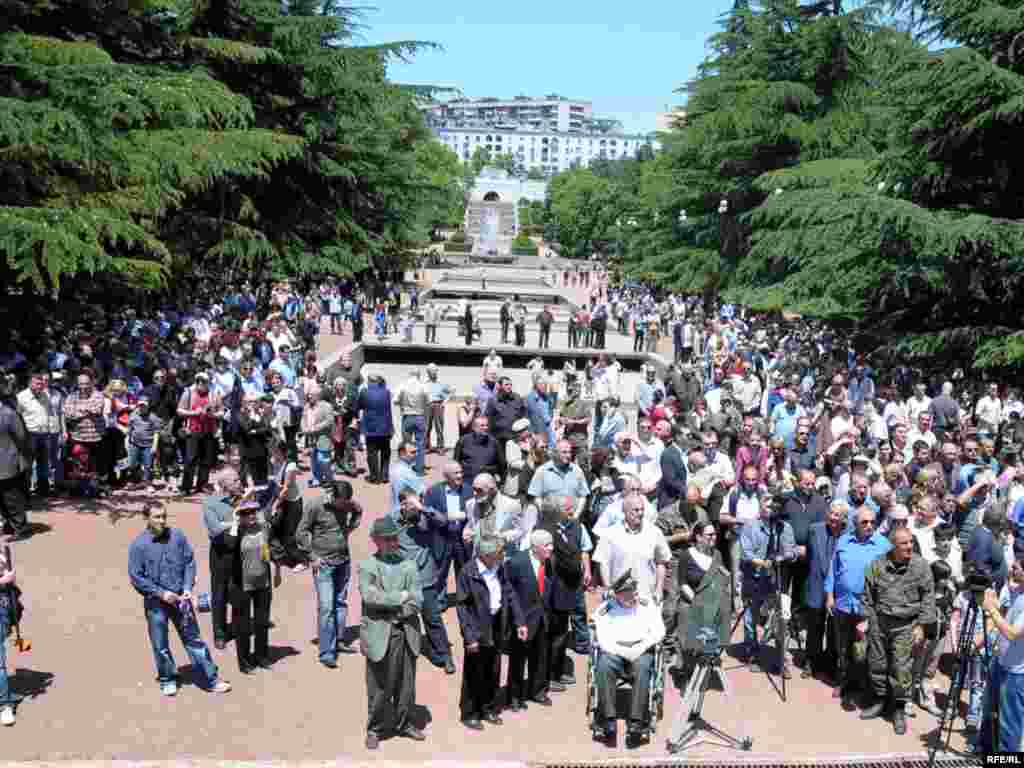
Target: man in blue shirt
[
  {"x": 560, "y": 477},
  {"x": 403, "y": 475},
  {"x": 844, "y": 590},
  {"x": 162, "y": 568},
  {"x": 1007, "y": 674}
]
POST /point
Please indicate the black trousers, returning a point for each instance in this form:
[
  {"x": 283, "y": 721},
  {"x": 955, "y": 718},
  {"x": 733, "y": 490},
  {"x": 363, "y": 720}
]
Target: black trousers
[
  {"x": 504, "y": 331},
  {"x": 535, "y": 653},
  {"x": 558, "y": 643},
  {"x": 283, "y": 547},
  {"x": 250, "y": 613},
  {"x": 221, "y": 561},
  {"x": 545, "y": 338},
  {"x": 254, "y": 467},
  {"x": 200, "y": 455},
  {"x": 13, "y": 504},
  {"x": 291, "y": 439},
  {"x": 378, "y": 457},
  {"x": 821, "y": 646},
  {"x": 481, "y": 679},
  {"x": 391, "y": 684}
]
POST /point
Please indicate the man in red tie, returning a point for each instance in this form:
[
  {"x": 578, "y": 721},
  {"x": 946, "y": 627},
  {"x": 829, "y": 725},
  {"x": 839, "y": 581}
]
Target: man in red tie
[{"x": 527, "y": 583}]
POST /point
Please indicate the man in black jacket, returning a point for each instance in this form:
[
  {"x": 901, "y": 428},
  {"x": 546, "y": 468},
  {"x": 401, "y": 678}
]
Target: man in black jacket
[
  {"x": 529, "y": 584},
  {"x": 802, "y": 508},
  {"x": 672, "y": 487},
  {"x": 483, "y": 604},
  {"x": 478, "y": 452},
  {"x": 503, "y": 410}
]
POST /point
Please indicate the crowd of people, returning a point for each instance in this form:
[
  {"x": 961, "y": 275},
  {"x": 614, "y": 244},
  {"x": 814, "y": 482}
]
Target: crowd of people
[{"x": 867, "y": 503}]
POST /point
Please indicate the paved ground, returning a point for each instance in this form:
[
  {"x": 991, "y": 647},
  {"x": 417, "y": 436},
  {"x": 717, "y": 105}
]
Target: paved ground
[{"x": 91, "y": 693}]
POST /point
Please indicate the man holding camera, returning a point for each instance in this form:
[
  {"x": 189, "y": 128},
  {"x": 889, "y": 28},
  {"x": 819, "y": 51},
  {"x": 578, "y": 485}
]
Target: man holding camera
[
  {"x": 1006, "y": 676},
  {"x": 899, "y": 605}
]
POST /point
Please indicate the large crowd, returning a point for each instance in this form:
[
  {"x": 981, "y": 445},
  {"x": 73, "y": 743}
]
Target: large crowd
[{"x": 862, "y": 508}]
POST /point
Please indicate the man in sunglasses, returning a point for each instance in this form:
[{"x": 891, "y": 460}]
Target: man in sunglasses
[{"x": 844, "y": 600}]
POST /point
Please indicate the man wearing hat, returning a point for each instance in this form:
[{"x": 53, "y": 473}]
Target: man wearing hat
[
  {"x": 389, "y": 633},
  {"x": 483, "y": 607},
  {"x": 628, "y": 628},
  {"x": 575, "y": 415}
]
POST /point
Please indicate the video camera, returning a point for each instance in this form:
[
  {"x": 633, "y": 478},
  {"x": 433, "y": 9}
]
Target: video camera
[
  {"x": 945, "y": 586},
  {"x": 703, "y": 642}
]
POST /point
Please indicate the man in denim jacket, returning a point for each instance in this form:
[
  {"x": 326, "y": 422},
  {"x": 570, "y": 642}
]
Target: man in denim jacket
[{"x": 162, "y": 568}]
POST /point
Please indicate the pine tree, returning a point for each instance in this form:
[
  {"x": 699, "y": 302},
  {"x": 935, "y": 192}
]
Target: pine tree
[{"x": 155, "y": 141}]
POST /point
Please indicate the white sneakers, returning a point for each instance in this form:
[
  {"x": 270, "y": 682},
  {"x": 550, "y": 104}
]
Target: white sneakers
[
  {"x": 7, "y": 716},
  {"x": 170, "y": 689}
]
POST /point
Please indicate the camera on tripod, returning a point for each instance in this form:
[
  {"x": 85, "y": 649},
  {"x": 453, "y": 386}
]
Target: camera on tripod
[{"x": 978, "y": 581}]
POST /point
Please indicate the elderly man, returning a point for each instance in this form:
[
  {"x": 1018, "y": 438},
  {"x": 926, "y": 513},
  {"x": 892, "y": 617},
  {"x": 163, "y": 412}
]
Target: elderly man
[
  {"x": 765, "y": 544},
  {"x": 418, "y": 541},
  {"x": 438, "y": 395},
  {"x": 490, "y": 514},
  {"x": 529, "y": 583},
  {"x": 483, "y": 607},
  {"x": 572, "y": 572},
  {"x": 899, "y": 606},
  {"x": 844, "y": 596},
  {"x": 628, "y": 627},
  {"x": 218, "y": 517},
  {"x": 637, "y": 545},
  {"x": 37, "y": 413},
  {"x": 822, "y": 540},
  {"x": 390, "y": 634}
]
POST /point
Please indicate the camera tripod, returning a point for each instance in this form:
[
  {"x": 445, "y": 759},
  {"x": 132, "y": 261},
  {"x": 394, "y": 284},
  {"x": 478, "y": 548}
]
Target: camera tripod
[
  {"x": 964, "y": 650},
  {"x": 690, "y": 722},
  {"x": 776, "y": 626}
]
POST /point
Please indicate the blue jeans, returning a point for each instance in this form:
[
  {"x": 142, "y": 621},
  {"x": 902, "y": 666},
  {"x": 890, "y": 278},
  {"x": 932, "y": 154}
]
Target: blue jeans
[
  {"x": 1010, "y": 689},
  {"x": 331, "y": 582},
  {"x": 321, "y": 467},
  {"x": 6, "y": 697},
  {"x": 751, "y": 618},
  {"x": 436, "y": 648},
  {"x": 44, "y": 452},
  {"x": 158, "y": 615},
  {"x": 975, "y": 684},
  {"x": 143, "y": 456},
  {"x": 580, "y": 630},
  {"x": 416, "y": 427}
]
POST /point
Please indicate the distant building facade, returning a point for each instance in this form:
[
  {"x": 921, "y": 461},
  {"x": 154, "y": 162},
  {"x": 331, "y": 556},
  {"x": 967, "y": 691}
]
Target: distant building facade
[
  {"x": 548, "y": 134},
  {"x": 670, "y": 120}
]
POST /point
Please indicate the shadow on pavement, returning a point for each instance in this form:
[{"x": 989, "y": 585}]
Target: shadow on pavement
[{"x": 30, "y": 683}]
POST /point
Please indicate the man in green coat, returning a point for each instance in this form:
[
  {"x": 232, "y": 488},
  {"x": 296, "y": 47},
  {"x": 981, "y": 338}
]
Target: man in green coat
[{"x": 389, "y": 633}]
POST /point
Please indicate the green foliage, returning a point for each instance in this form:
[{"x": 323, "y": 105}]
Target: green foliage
[
  {"x": 147, "y": 140},
  {"x": 535, "y": 174}
]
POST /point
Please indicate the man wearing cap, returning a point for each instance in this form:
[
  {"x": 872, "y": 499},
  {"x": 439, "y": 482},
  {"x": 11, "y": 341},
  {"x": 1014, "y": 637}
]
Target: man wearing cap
[
  {"x": 413, "y": 400},
  {"x": 389, "y": 634},
  {"x": 482, "y": 602},
  {"x": 438, "y": 395},
  {"x": 628, "y": 628}
]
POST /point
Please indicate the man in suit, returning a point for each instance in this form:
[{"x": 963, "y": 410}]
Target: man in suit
[
  {"x": 492, "y": 514},
  {"x": 821, "y": 544},
  {"x": 445, "y": 502},
  {"x": 528, "y": 582},
  {"x": 389, "y": 633},
  {"x": 483, "y": 605},
  {"x": 672, "y": 487}
]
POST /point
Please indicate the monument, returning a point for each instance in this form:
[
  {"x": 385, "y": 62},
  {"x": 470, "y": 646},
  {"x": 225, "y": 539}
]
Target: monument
[{"x": 492, "y": 216}]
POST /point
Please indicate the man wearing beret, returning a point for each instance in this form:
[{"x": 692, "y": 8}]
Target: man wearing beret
[
  {"x": 628, "y": 628},
  {"x": 389, "y": 633}
]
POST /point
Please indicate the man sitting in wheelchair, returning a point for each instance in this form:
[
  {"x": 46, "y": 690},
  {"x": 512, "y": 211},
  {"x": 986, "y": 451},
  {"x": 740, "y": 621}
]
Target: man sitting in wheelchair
[{"x": 628, "y": 632}]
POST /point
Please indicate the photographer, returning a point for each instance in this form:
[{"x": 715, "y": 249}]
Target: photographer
[{"x": 1006, "y": 676}]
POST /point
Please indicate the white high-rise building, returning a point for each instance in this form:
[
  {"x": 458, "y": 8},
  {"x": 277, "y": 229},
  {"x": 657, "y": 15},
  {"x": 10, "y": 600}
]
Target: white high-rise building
[{"x": 550, "y": 134}]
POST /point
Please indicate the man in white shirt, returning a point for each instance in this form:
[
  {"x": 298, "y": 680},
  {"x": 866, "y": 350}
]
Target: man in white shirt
[
  {"x": 628, "y": 627},
  {"x": 637, "y": 546},
  {"x": 988, "y": 413},
  {"x": 923, "y": 431},
  {"x": 36, "y": 410},
  {"x": 918, "y": 403},
  {"x": 746, "y": 390}
]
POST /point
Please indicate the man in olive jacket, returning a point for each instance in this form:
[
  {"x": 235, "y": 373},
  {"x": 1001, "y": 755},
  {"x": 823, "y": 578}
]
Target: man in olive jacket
[{"x": 389, "y": 633}]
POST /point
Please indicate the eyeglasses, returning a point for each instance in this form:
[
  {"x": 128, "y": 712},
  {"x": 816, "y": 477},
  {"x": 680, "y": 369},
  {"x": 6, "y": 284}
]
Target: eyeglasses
[
  {"x": 479, "y": 490},
  {"x": 866, "y": 523}
]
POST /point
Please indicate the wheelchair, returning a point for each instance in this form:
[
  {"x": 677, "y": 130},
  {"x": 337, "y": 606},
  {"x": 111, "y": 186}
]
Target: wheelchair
[{"x": 656, "y": 696}]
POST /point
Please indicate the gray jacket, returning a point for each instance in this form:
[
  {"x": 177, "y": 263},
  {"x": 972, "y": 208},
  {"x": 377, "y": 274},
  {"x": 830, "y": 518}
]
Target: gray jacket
[{"x": 319, "y": 533}]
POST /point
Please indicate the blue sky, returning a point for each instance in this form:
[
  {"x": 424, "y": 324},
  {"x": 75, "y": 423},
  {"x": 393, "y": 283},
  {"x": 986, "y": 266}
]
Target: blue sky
[{"x": 625, "y": 57}]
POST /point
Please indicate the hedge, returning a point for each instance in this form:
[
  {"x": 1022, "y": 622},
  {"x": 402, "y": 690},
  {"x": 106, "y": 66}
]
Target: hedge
[{"x": 451, "y": 247}]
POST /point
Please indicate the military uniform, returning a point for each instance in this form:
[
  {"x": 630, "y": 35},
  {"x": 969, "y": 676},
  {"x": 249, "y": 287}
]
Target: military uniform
[
  {"x": 626, "y": 637},
  {"x": 897, "y": 596},
  {"x": 389, "y": 638}
]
